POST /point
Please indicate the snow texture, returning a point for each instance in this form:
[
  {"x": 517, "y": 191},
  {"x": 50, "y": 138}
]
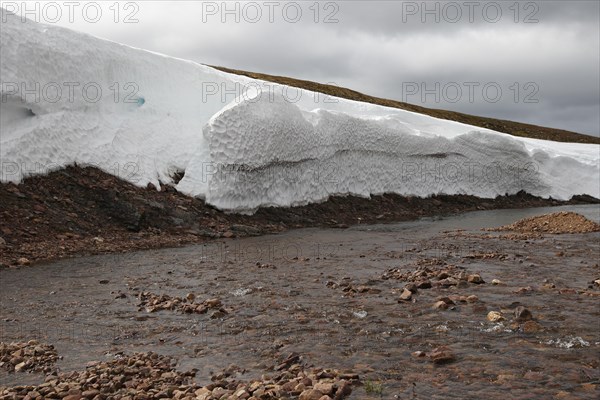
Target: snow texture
[{"x": 246, "y": 143}]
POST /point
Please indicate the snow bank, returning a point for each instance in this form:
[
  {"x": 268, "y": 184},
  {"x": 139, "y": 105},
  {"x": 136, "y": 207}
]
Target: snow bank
[{"x": 70, "y": 98}]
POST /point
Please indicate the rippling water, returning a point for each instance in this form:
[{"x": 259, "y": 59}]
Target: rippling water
[{"x": 276, "y": 289}]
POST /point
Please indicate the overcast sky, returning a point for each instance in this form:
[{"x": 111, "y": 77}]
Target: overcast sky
[{"x": 544, "y": 56}]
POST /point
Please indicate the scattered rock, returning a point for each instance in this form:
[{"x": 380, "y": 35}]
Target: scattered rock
[
  {"x": 442, "y": 355},
  {"x": 443, "y": 303},
  {"x": 475, "y": 278},
  {"x": 292, "y": 358},
  {"x": 23, "y": 261},
  {"x": 424, "y": 284},
  {"x": 532, "y": 327},
  {"x": 411, "y": 287},
  {"x": 523, "y": 290},
  {"x": 447, "y": 300},
  {"x": 324, "y": 387},
  {"x": 20, "y": 366},
  {"x": 310, "y": 394},
  {"x": 344, "y": 388},
  {"x": 472, "y": 298},
  {"x": 442, "y": 275},
  {"x": 153, "y": 302},
  {"x": 522, "y": 314},
  {"x": 440, "y": 305},
  {"x": 406, "y": 295},
  {"x": 495, "y": 316}
]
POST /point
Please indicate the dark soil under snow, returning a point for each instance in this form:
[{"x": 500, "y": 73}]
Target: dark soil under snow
[{"x": 78, "y": 211}]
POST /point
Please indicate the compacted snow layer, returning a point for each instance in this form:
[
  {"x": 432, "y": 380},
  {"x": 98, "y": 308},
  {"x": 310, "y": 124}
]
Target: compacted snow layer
[{"x": 71, "y": 98}]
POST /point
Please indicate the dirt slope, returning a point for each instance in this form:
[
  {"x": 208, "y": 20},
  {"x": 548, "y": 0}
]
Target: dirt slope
[{"x": 87, "y": 211}]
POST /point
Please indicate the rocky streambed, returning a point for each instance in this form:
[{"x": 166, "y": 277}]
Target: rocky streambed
[{"x": 432, "y": 309}]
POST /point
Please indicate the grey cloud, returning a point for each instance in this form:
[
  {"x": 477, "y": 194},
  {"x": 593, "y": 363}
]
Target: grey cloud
[{"x": 373, "y": 50}]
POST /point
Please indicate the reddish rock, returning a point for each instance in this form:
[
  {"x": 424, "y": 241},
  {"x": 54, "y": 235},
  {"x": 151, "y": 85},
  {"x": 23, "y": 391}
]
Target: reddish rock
[{"x": 406, "y": 295}]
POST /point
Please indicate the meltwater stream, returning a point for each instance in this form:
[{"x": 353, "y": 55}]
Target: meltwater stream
[
  {"x": 286, "y": 293},
  {"x": 483, "y": 219}
]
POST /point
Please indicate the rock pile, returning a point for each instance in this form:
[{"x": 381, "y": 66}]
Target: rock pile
[
  {"x": 351, "y": 289},
  {"x": 153, "y": 302},
  {"x": 152, "y": 376},
  {"x": 560, "y": 222},
  {"x": 29, "y": 356},
  {"x": 292, "y": 383},
  {"x": 140, "y": 376},
  {"x": 425, "y": 277}
]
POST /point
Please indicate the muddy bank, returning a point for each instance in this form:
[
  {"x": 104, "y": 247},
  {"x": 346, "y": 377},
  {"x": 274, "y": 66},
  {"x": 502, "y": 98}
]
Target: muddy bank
[
  {"x": 79, "y": 211},
  {"x": 528, "y": 325}
]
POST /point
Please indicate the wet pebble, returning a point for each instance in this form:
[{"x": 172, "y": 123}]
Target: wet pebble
[
  {"x": 522, "y": 314},
  {"x": 442, "y": 355},
  {"x": 475, "y": 278},
  {"x": 406, "y": 295},
  {"x": 532, "y": 327},
  {"x": 23, "y": 261},
  {"x": 495, "y": 316},
  {"x": 153, "y": 302}
]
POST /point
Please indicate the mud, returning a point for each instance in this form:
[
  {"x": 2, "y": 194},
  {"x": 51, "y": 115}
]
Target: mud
[{"x": 288, "y": 293}]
